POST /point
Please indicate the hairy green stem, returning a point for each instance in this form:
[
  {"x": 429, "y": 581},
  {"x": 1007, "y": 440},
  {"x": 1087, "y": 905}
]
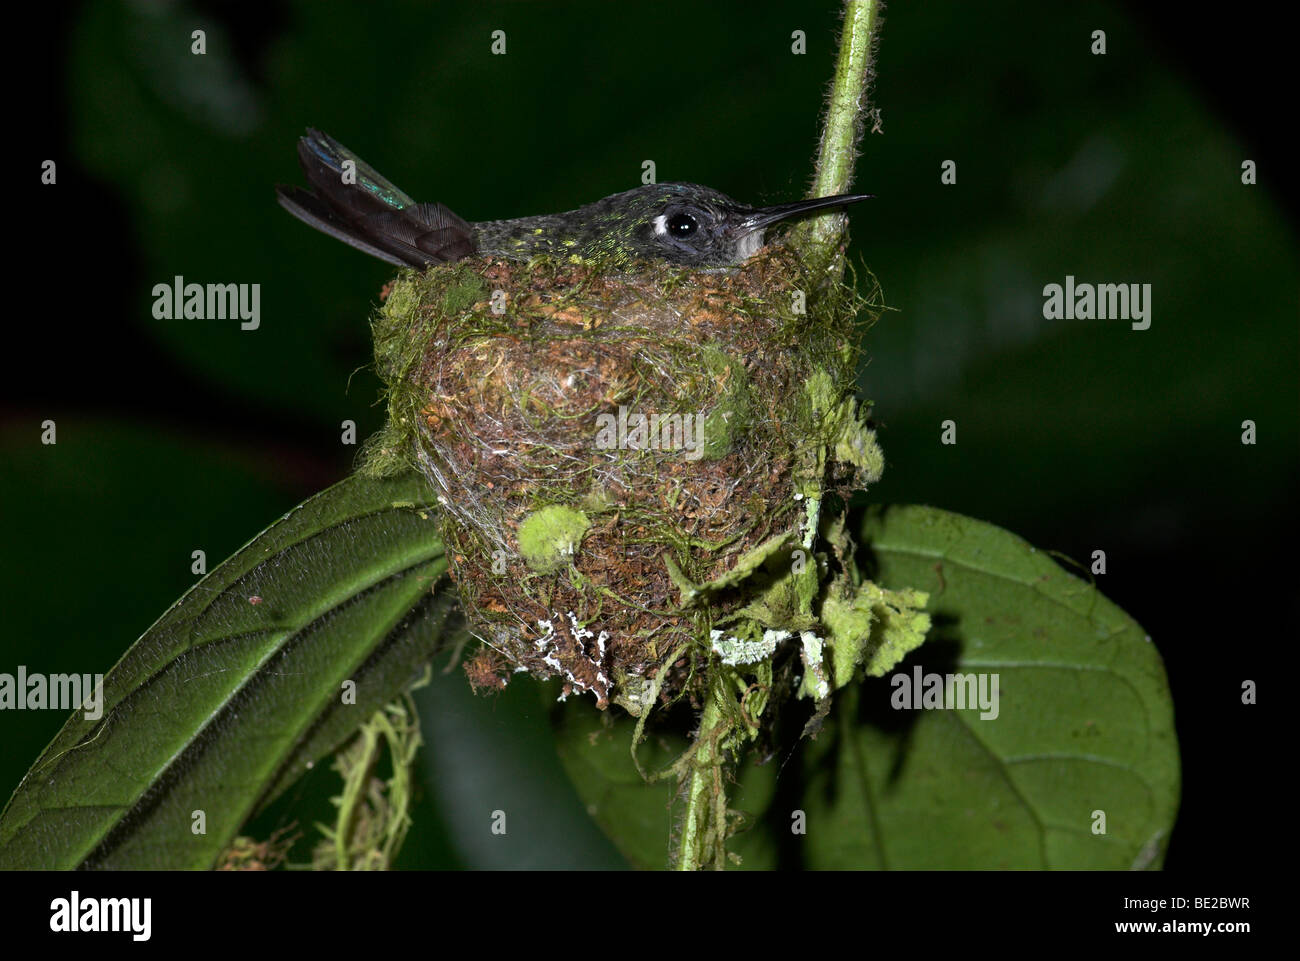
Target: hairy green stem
[
  {"x": 703, "y": 781},
  {"x": 353, "y": 792},
  {"x": 821, "y": 238}
]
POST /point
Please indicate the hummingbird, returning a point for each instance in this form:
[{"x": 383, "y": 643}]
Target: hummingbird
[{"x": 679, "y": 223}]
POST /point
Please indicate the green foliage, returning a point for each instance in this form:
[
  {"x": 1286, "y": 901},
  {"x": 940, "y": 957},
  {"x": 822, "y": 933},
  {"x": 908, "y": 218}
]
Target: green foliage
[
  {"x": 244, "y": 684},
  {"x": 373, "y": 814},
  {"x": 1085, "y": 725}
]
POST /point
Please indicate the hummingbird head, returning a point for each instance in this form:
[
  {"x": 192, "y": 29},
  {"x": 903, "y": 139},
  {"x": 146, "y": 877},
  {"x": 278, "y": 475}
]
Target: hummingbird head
[{"x": 690, "y": 224}]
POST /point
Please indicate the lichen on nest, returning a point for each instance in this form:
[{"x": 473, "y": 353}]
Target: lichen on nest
[{"x": 626, "y": 462}]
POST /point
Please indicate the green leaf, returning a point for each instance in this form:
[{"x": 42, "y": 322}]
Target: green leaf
[
  {"x": 495, "y": 753},
  {"x": 596, "y": 753},
  {"x": 1084, "y": 725},
  {"x": 236, "y": 690}
]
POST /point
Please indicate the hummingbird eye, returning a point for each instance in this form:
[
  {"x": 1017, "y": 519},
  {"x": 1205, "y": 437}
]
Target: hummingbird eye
[{"x": 682, "y": 225}]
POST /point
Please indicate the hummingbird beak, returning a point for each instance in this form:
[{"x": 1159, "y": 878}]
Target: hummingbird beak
[{"x": 764, "y": 217}]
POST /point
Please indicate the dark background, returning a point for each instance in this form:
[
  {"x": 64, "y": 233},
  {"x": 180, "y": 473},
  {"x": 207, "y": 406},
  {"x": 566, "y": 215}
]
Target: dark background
[{"x": 177, "y": 435}]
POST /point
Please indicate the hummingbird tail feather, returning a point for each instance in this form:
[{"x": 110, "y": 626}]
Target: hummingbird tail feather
[
  {"x": 356, "y": 205},
  {"x": 314, "y": 212}
]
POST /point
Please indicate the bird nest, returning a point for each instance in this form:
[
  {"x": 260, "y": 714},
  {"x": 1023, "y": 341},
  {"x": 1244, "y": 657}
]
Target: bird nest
[{"x": 630, "y": 465}]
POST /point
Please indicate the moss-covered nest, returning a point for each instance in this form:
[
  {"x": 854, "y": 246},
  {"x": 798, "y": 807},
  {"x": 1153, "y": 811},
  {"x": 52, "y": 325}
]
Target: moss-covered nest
[{"x": 621, "y": 456}]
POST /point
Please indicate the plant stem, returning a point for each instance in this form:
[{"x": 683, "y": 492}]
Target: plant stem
[
  {"x": 353, "y": 791},
  {"x": 704, "y": 779},
  {"x": 821, "y": 238}
]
